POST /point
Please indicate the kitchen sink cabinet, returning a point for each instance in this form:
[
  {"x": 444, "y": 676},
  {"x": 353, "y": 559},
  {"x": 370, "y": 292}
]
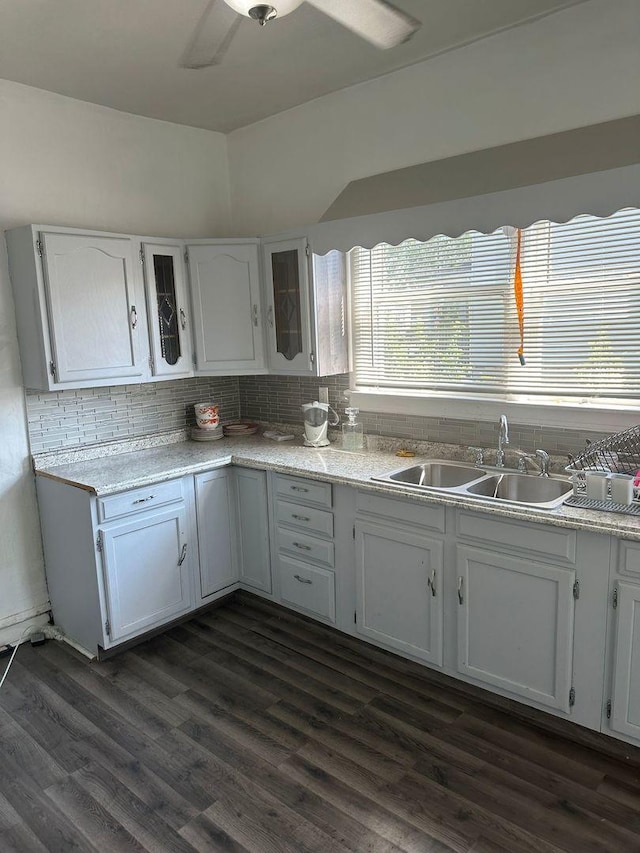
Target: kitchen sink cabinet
[
  {"x": 217, "y": 531},
  {"x": 515, "y": 625},
  {"x": 623, "y": 712},
  {"x": 80, "y": 308},
  {"x": 305, "y": 304},
  {"x": 399, "y": 589},
  {"x": 227, "y": 309}
]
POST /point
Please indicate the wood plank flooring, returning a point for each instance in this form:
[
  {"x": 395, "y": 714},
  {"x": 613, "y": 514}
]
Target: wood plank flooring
[{"x": 250, "y": 728}]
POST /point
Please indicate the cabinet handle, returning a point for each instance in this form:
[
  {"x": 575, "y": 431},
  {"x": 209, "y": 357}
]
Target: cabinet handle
[
  {"x": 460, "y": 596},
  {"x": 183, "y": 554},
  {"x": 302, "y": 547},
  {"x": 431, "y": 583},
  {"x": 300, "y": 517},
  {"x": 270, "y": 316},
  {"x": 144, "y": 500},
  {"x": 302, "y": 580},
  {"x": 299, "y": 489},
  {"x": 254, "y": 314},
  {"x": 183, "y": 319},
  {"x": 134, "y": 317}
]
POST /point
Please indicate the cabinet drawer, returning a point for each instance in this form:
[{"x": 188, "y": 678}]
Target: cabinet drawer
[
  {"x": 629, "y": 558},
  {"x": 137, "y": 500},
  {"x": 555, "y": 543},
  {"x": 305, "y": 547},
  {"x": 428, "y": 516},
  {"x": 308, "y": 587},
  {"x": 307, "y": 491},
  {"x": 304, "y": 517}
]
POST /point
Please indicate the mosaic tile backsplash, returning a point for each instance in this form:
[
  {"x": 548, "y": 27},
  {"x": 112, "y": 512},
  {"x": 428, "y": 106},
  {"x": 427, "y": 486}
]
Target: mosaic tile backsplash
[
  {"x": 65, "y": 419},
  {"x": 69, "y": 419}
]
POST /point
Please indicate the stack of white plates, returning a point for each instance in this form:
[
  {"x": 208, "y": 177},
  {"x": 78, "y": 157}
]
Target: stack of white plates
[
  {"x": 238, "y": 428},
  {"x": 198, "y": 434}
]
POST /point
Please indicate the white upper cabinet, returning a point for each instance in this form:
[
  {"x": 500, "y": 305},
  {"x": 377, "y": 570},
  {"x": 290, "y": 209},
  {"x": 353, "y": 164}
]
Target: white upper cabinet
[
  {"x": 168, "y": 310},
  {"x": 305, "y": 304},
  {"x": 79, "y": 306},
  {"x": 227, "y": 317}
]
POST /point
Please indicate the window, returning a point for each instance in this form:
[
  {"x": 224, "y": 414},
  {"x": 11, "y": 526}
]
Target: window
[{"x": 441, "y": 315}]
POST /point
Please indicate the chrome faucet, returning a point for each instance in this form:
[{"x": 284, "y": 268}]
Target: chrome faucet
[
  {"x": 503, "y": 438},
  {"x": 544, "y": 462}
]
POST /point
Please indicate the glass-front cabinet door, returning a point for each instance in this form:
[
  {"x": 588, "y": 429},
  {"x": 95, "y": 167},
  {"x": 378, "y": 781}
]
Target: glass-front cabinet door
[
  {"x": 167, "y": 306},
  {"x": 288, "y": 307}
]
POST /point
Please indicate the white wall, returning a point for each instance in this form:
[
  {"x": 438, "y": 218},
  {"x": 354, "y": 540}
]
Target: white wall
[
  {"x": 65, "y": 162},
  {"x": 574, "y": 68}
]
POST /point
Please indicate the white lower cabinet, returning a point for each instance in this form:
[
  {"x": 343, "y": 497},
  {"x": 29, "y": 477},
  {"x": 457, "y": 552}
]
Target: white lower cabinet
[
  {"x": 399, "y": 591},
  {"x": 624, "y": 710},
  {"x": 515, "y": 625},
  {"x": 146, "y": 573},
  {"x": 253, "y": 528},
  {"x": 216, "y": 520},
  {"x": 308, "y": 587}
]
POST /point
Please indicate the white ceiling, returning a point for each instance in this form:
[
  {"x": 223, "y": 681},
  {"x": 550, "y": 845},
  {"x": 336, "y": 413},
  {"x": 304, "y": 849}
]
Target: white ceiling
[{"x": 125, "y": 54}]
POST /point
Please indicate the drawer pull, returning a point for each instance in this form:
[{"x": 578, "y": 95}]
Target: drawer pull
[
  {"x": 302, "y": 580},
  {"x": 133, "y": 314},
  {"x": 460, "y": 596},
  {"x": 144, "y": 500},
  {"x": 183, "y": 319},
  {"x": 183, "y": 554},
  {"x": 299, "y": 489},
  {"x": 300, "y": 517},
  {"x": 302, "y": 547},
  {"x": 431, "y": 583}
]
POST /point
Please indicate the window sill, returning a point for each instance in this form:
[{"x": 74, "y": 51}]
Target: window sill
[{"x": 600, "y": 416}]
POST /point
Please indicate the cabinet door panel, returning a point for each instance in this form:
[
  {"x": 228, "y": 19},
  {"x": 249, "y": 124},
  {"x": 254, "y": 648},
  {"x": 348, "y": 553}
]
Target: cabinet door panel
[
  {"x": 215, "y": 513},
  {"x": 397, "y": 574},
  {"x": 625, "y": 716},
  {"x": 288, "y": 307},
  {"x": 225, "y": 289},
  {"x": 95, "y": 318},
  {"x": 515, "y": 625},
  {"x": 168, "y": 311},
  {"x": 253, "y": 523},
  {"x": 146, "y": 585}
]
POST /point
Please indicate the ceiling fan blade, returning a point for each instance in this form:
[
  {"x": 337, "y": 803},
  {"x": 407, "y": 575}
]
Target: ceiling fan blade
[
  {"x": 212, "y": 36},
  {"x": 377, "y": 21}
]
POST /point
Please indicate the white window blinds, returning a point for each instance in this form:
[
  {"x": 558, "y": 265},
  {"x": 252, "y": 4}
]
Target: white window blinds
[{"x": 441, "y": 315}]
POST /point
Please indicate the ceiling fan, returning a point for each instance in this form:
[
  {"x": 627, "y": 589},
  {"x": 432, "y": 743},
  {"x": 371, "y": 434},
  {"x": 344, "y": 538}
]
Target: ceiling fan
[{"x": 377, "y": 21}]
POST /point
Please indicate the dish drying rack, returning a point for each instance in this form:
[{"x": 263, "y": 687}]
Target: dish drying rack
[{"x": 618, "y": 453}]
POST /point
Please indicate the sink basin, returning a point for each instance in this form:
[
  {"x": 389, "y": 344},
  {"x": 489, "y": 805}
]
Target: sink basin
[
  {"x": 544, "y": 492},
  {"x": 438, "y": 475}
]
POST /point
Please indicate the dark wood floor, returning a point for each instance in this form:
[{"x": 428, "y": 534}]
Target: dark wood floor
[{"x": 250, "y": 728}]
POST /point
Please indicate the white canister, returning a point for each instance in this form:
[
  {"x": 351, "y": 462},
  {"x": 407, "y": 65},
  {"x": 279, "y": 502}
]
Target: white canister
[
  {"x": 597, "y": 485},
  {"x": 207, "y": 415},
  {"x": 621, "y": 488}
]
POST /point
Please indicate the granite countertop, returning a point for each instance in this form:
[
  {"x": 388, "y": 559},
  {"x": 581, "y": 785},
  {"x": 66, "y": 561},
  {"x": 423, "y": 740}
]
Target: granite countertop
[{"x": 142, "y": 466}]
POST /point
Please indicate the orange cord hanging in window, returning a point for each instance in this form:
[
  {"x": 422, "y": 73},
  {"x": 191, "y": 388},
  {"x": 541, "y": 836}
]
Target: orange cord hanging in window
[{"x": 519, "y": 296}]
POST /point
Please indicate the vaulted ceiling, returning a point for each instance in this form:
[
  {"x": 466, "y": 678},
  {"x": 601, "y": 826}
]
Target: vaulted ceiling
[{"x": 126, "y": 54}]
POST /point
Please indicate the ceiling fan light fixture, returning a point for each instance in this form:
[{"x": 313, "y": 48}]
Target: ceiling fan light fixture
[{"x": 263, "y": 12}]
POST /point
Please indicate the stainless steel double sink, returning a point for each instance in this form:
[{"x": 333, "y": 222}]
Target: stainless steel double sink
[{"x": 436, "y": 475}]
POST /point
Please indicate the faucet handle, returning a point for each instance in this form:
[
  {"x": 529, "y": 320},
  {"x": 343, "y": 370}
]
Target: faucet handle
[
  {"x": 522, "y": 462},
  {"x": 479, "y": 451}
]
